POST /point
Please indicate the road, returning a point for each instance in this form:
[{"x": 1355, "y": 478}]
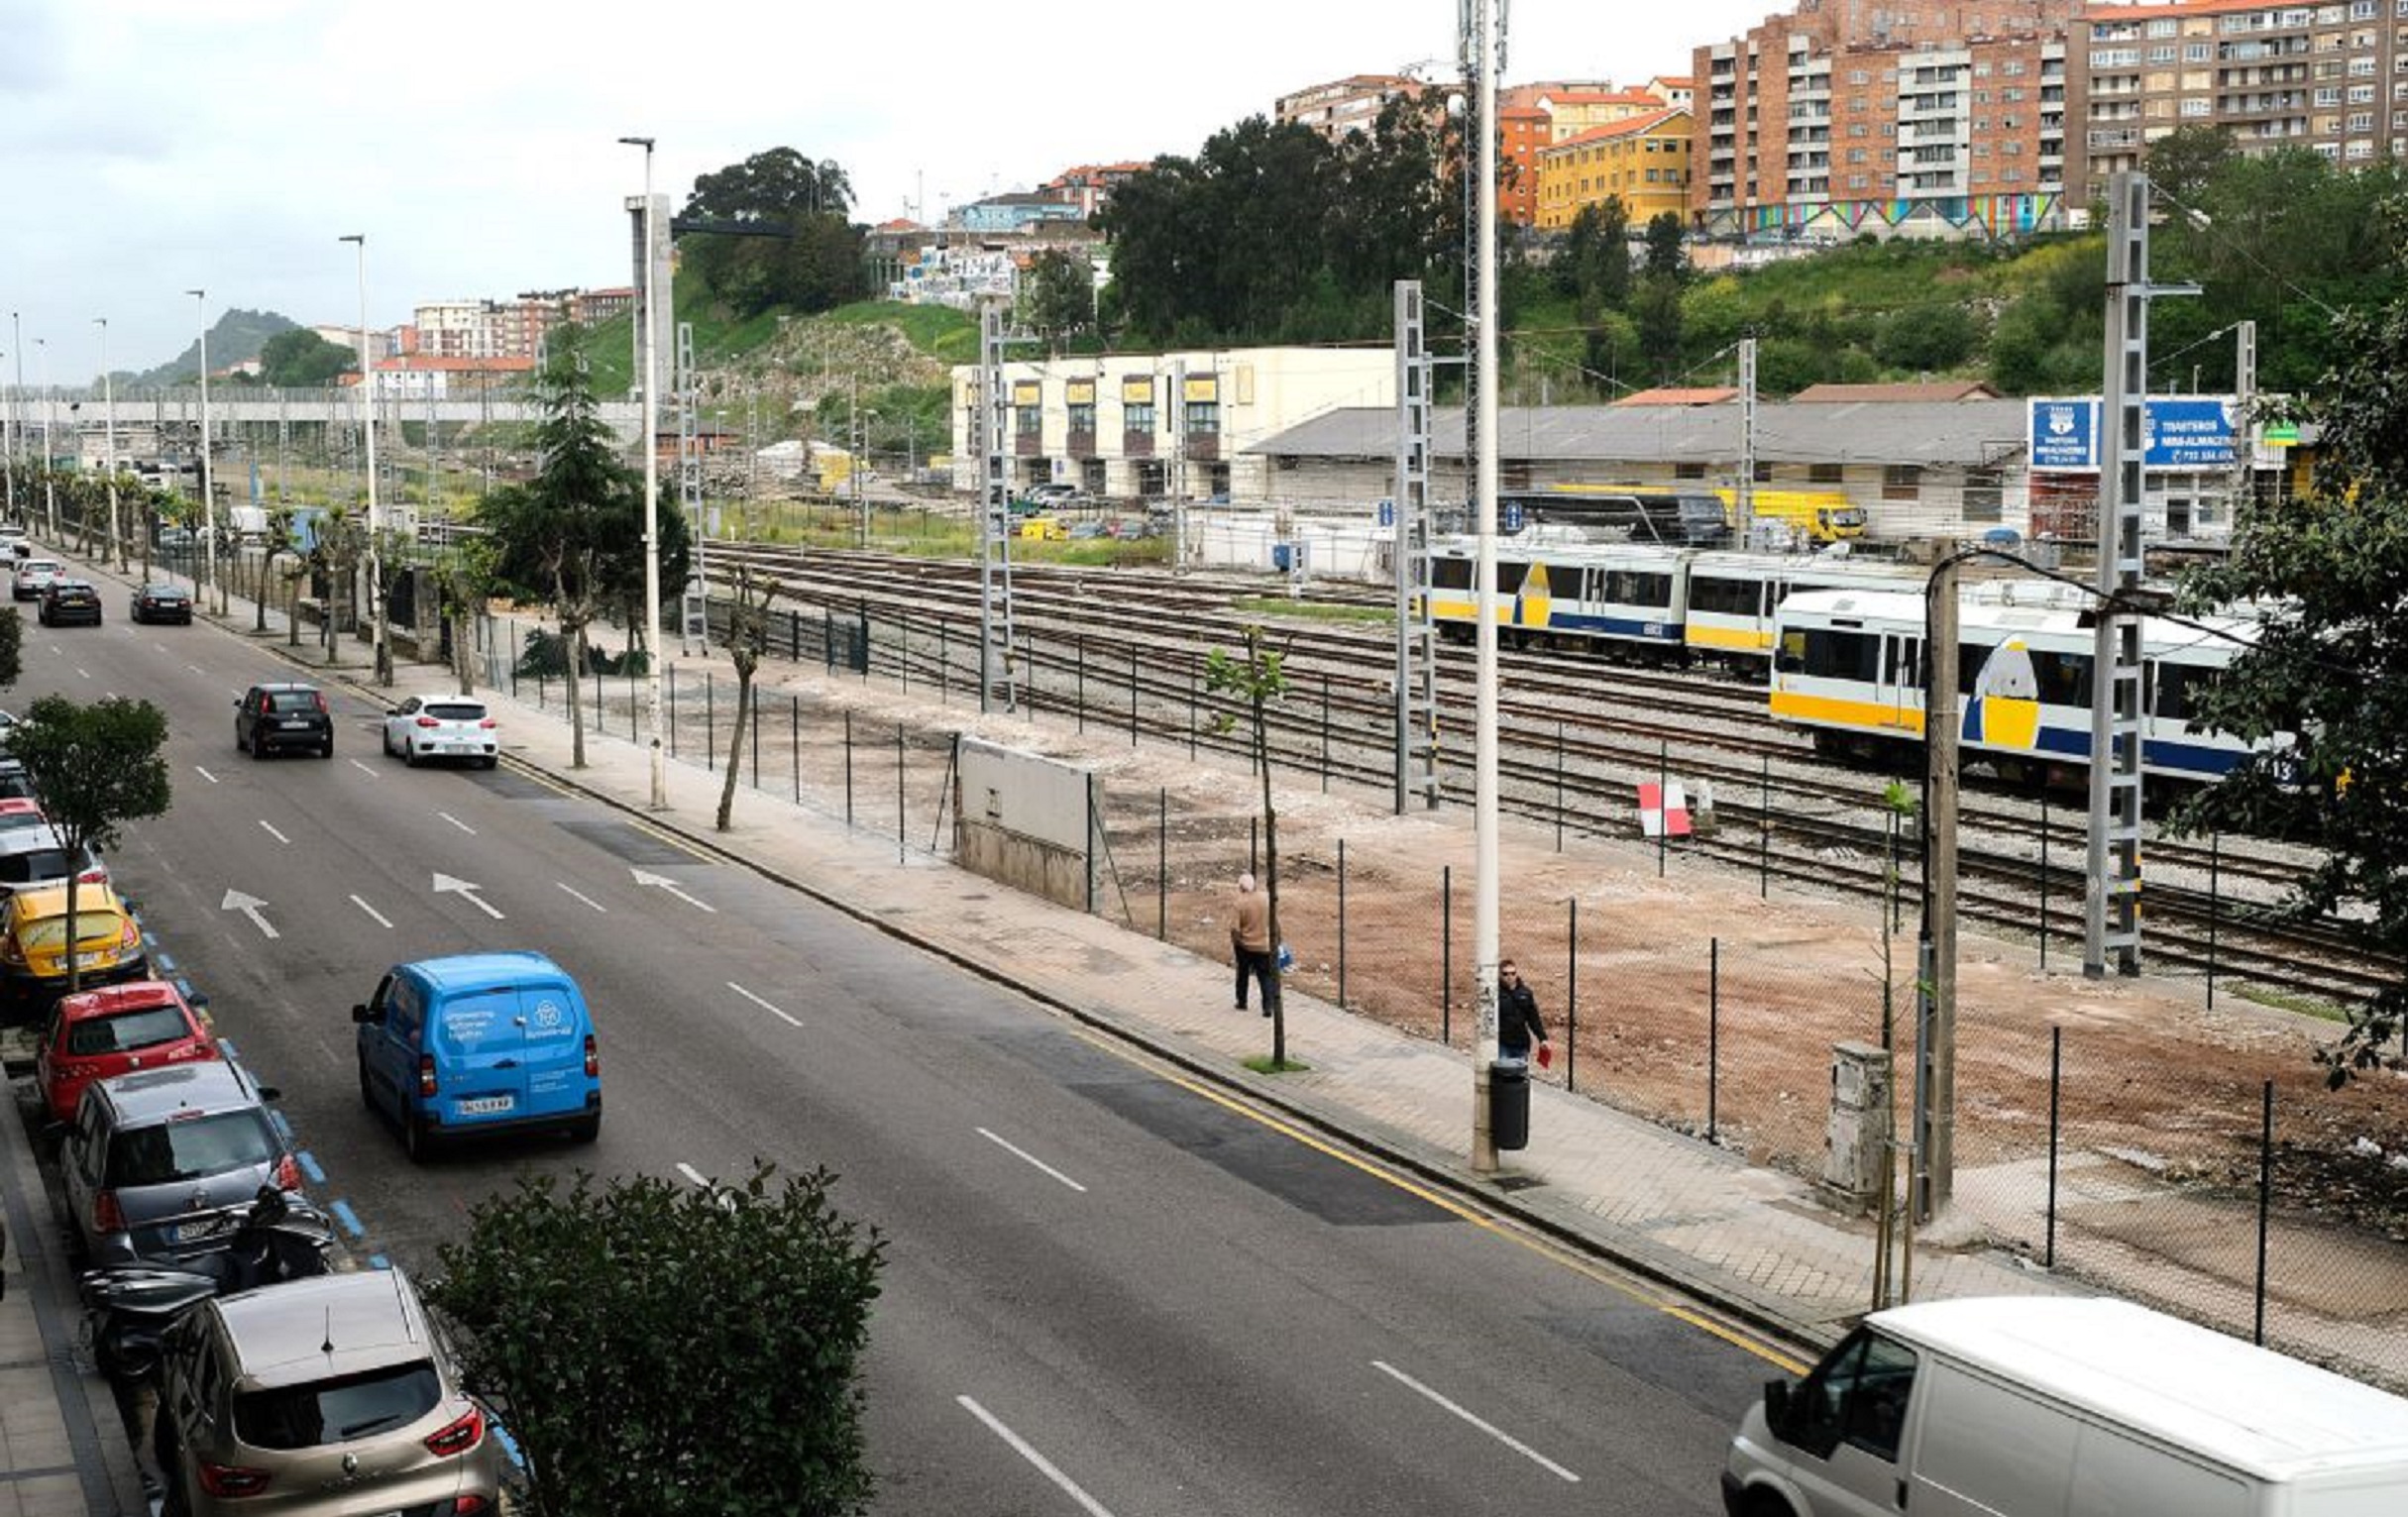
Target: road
[{"x": 1108, "y": 1291}]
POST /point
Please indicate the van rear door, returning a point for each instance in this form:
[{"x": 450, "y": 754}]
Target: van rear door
[
  {"x": 553, "y": 1057},
  {"x": 480, "y": 1046}
]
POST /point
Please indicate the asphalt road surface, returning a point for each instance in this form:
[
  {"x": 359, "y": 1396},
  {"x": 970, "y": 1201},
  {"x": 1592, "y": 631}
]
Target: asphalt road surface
[{"x": 1109, "y": 1290}]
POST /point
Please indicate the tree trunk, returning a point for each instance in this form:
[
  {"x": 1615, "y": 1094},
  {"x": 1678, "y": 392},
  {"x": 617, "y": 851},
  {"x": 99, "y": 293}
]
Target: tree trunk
[
  {"x": 745, "y": 664},
  {"x": 572, "y": 644},
  {"x": 464, "y": 627},
  {"x": 1271, "y": 883}
]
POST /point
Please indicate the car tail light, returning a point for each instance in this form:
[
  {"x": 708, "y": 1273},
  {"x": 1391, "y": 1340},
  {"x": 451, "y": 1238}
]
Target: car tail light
[
  {"x": 489, "y": 724},
  {"x": 131, "y": 937},
  {"x": 98, "y": 876},
  {"x": 593, "y": 1057},
  {"x": 470, "y": 1506},
  {"x": 288, "y": 1173},
  {"x": 458, "y": 1437},
  {"x": 107, "y": 1214},
  {"x": 232, "y": 1479},
  {"x": 426, "y": 1074},
  {"x": 11, "y": 951},
  {"x": 428, "y": 721}
]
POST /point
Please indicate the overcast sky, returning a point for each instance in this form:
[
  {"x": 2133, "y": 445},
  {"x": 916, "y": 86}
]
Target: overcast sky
[{"x": 148, "y": 147}]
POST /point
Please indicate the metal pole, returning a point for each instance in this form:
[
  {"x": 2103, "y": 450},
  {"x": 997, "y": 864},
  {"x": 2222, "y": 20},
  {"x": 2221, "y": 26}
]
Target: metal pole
[
  {"x": 1558, "y": 786},
  {"x": 1133, "y": 698},
  {"x": 711, "y": 723},
  {"x": 1161, "y": 875},
  {"x": 1446, "y": 954},
  {"x": 1485, "y": 887},
  {"x": 2265, "y": 1203},
  {"x": 108, "y": 403},
  {"x": 902, "y": 813},
  {"x": 2057, "y": 1085},
  {"x": 1662, "y": 806},
  {"x": 1713, "y": 1031},
  {"x": 657, "y": 763},
  {"x": 1324, "y": 732},
  {"x": 793, "y": 743},
  {"x": 1571, "y": 998},
  {"x": 2043, "y": 882},
  {"x": 1764, "y": 831},
  {"x": 1342, "y": 924},
  {"x": 848, "y": 768},
  {"x": 1078, "y": 665},
  {"x": 1935, "y": 1043},
  {"x": 208, "y": 485},
  {"x": 2215, "y": 903}
]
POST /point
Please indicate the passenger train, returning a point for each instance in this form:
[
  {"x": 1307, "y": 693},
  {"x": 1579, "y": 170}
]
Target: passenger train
[
  {"x": 1557, "y": 588},
  {"x": 1847, "y": 668}
]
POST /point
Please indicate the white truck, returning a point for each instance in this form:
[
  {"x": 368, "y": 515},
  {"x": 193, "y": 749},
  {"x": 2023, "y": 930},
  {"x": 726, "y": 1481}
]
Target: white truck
[{"x": 2057, "y": 1406}]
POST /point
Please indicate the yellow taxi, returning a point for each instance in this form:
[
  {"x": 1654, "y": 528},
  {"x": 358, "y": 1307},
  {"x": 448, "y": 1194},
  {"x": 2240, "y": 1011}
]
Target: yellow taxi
[{"x": 34, "y": 948}]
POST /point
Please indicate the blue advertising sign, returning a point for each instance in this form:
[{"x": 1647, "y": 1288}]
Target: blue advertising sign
[
  {"x": 1513, "y": 516},
  {"x": 2190, "y": 432},
  {"x": 1387, "y": 514},
  {"x": 2064, "y": 435}
]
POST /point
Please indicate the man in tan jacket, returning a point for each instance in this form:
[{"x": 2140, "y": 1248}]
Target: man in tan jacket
[{"x": 1250, "y": 943}]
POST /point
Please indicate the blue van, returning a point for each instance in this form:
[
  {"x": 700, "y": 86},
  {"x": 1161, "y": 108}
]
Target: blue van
[{"x": 476, "y": 1044}]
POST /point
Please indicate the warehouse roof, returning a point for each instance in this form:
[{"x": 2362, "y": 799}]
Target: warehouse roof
[{"x": 1970, "y": 433}]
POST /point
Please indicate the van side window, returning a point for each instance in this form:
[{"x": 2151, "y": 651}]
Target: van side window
[{"x": 1857, "y": 1396}]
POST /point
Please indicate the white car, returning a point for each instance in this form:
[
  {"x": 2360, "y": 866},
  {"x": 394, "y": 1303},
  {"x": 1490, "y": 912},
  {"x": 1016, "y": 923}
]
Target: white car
[
  {"x": 34, "y": 575},
  {"x": 442, "y": 726}
]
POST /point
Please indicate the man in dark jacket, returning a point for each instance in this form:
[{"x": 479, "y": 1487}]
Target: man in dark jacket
[{"x": 1517, "y": 1015}]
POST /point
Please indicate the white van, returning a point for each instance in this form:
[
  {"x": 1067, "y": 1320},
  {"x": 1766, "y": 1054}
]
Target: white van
[{"x": 2055, "y": 1406}]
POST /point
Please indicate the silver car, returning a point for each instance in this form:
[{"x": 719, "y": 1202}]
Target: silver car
[
  {"x": 330, "y": 1397},
  {"x": 157, "y": 1160}
]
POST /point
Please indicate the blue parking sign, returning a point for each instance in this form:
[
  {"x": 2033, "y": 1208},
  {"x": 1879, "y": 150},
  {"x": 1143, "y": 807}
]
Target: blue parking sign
[
  {"x": 1387, "y": 514},
  {"x": 1513, "y": 516}
]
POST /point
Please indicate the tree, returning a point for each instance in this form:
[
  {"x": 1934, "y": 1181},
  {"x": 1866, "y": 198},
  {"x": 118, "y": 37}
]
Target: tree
[
  {"x": 2182, "y": 163},
  {"x": 669, "y": 1348},
  {"x": 2327, "y": 667},
  {"x": 94, "y": 768},
  {"x": 1593, "y": 268},
  {"x": 302, "y": 359},
  {"x": 566, "y": 533},
  {"x": 1257, "y": 678},
  {"x": 1665, "y": 259},
  {"x": 1058, "y": 298},
  {"x": 808, "y": 258},
  {"x": 747, "y": 640},
  {"x": 12, "y": 646},
  {"x": 1655, "y": 309}
]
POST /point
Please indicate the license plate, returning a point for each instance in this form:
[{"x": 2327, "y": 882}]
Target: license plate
[
  {"x": 90, "y": 960},
  {"x": 294, "y": 727},
  {"x": 188, "y": 1231},
  {"x": 482, "y": 1106}
]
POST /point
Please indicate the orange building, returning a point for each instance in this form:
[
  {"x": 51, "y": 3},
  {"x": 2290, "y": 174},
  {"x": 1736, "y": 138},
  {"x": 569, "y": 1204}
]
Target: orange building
[
  {"x": 1642, "y": 161},
  {"x": 1522, "y": 132}
]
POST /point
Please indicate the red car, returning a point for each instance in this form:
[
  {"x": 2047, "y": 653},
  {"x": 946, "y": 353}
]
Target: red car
[
  {"x": 97, "y": 1034},
  {"x": 19, "y": 812}
]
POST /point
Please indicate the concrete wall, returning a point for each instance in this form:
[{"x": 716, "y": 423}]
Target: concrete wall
[{"x": 1023, "y": 820}]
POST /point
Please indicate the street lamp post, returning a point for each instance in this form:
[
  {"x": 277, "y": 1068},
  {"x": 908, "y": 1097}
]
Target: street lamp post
[
  {"x": 108, "y": 402},
  {"x": 652, "y": 499},
  {"x": 375, "y": 521},
  {"x": 1486, "y": 899},
  {"x": 208, "y": 485},
  {"x": 16, "y": 397},
  {"x": 50, "y": 486}
]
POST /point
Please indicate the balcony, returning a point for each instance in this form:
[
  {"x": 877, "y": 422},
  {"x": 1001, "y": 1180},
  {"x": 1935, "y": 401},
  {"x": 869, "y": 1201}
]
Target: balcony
[
  {"x": 1137, "y": 445},
  {"x": 1028, "y": 445},
  {"x": 1204, "y": 447},
  {"x": 1081, "y": 444}
]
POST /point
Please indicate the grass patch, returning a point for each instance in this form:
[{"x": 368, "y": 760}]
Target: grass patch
[
  {"x": 1309, "y": 610},
  {"x": 2292, "y": 1001},
  {"x": 1263, "y": 1063}
]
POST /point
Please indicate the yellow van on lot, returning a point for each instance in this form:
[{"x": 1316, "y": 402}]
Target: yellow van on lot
[{"x": 1047, "y": 529}]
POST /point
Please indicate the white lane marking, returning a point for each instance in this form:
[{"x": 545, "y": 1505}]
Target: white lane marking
[
  {"x": 249, "y": 906},
  {"x": 692, "y": 1174},
  {"x": 197, "y": 669},
  {"x": 377, "y": 915},
  {"x": 363, "y": 768},
  {"x": 204, "y": 774},
  {"x": 446, "y": 885},
  {"x": 456, "y": 821},
  {"x": 1503, "y": 1437},
  {"x": 662, "y": 882},
  {"x": 587, "y": 900},
  {"x": 1044, "y": 1466},
  {"x": 86, "y": 672},
  {"x": 701, "y": 1181},
  {"x": 763, "y": 1005},
  {"x": 1027, "y": 1157},
  {"x": 273, "y": 832},
  {"x": 162, "y": 647}
]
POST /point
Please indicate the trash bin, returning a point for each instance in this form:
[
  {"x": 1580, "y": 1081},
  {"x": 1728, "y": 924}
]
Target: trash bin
[{"x": 1509, "y": 1103}]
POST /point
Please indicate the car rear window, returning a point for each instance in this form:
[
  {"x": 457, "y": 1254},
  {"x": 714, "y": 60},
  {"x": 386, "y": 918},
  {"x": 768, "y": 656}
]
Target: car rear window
[
  {"x": 34, "y": 864},
  {"x": 93, "y": 924},
  {"x": 457, "y": 713},
  {"x": 291, "y": 701},
  {"x": 191, "y": 1148},
  {"x": 145, "y": 1028},
  {"x": 338, "y": 1411}
]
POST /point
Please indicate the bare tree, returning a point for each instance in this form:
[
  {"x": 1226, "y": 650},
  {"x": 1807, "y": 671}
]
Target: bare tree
[{"x": 747, "y": 640}]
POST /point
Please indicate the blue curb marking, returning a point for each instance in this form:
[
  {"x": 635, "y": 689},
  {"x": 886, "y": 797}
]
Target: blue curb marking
[
  {"x": 284, "y": 1128},
  {"x": 379, "y": 1261},
  {"x": 184, "y": 987},
  {"x": 163, "y": 962},
  {"x": 225, "y": 1045},
  {"x": 349, "y": 1218},
  {"x": 509, "y": 1444},
  {"x": 309, "y": 1168}
]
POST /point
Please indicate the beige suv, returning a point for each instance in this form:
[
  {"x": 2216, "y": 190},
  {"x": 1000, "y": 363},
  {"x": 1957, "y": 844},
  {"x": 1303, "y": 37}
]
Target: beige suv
[{"x": 329, "y": 1397}]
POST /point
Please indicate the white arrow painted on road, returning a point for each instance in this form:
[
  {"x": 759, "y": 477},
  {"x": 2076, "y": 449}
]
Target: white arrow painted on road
[
  {"x": 446, "y": 885},
  {"x": 662, "y": 882},
  {"x": 249, "y": 906}
]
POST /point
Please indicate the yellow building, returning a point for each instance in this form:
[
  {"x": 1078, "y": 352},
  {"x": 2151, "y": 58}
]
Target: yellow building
[{"x": 1643, "y": 160}]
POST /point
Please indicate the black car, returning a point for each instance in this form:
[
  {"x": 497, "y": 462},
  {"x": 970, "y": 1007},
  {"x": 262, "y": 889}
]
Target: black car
[
  {"x": 69, "y": 601},
  {"x": 163, "y": 602},
  {"x": 278, "y": 718}
]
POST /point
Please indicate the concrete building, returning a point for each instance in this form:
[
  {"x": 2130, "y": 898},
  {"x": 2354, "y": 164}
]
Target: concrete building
[
  {"x": 1903, "y": 119},
  {"x": 1007, "y": 214},
  {"x": 1522, "y": 131},
  {"x": 1150, "y": 426},
  {"x": 1088, "y": 187},
  {"x": 2330, "y": 76},
  {"x": 1641, "y": 160},
  {"x": 1569, "y": 112},
  {"x": 1351, "y": 104}
]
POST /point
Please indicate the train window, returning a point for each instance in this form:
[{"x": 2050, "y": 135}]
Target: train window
[
  {"x": 1790, "y": 656},
  {"x": 2063, "y": 678},
  {"x": 1451, "y": 573},
  {"x": 1843, "y": 655},
  {"x": 1905, "y": 663},
  {"x": 1969, "y": 660},
  {"x": 1509, "y": 577},
  {"x": 1725, "y": 598},
  {"x": 2178, "y": 687},
  {"x": 1631, "y": 587}
]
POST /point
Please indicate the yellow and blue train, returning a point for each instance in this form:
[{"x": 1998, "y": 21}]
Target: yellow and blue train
[
  {"x": 1660, "y": 602},
  {"x": 1848, "y": 669}
]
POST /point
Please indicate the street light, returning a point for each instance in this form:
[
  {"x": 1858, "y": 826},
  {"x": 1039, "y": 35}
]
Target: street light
[
  {"x": 207, "y": 485},
  {"x": 368, "y": 427},
  {"x": 652, "y": 499},
  {"x": 16, "y": 397},
  {"x": 108, "y": 402},
  {"x": 50, "y": 486}
]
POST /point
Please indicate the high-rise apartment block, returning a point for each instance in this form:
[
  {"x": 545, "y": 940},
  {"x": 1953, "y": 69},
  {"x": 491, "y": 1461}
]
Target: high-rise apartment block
[{"x": 1351, "y": 104}]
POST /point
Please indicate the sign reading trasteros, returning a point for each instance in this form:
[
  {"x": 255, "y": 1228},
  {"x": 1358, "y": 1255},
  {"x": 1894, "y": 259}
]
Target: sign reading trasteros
[{"x": 2186, "y": 432}]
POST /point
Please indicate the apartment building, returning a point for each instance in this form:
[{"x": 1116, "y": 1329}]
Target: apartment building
[
  {"x": 2332, "y": 77},
  {"x": 1642, "y": 161},
  {"x": 1574, "y": 111},
  {"x": 1522, "y": 131},
  {"x": 1841, "y": 121},
  {"x": 506, "y": 329},
  {"x": 1351, "y": 104},
  {"x": 1088, "y": 187}
]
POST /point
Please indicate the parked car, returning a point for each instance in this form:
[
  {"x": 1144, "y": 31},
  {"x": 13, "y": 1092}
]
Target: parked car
[
  {"x": 96, "y": 1034},
  {"x": 479, "y": 1043},
  {"x": 66, "y": 600},
  {"x": 279, "y": 717},
  {"x": 163, "y": 602},
  {"x": 15, "y": 779},
  {"x": 19, "y": 812},
  {"x": 156, "y": 1159},
  {"x": 34, "y": 575},
  {"x": 442, "y": 726},
  {"x": 175, "y": 539},
  {"x": 326, "y": 1396},
  {"x": 34, "y": 944},
  {"x": 31, "y": 857}
]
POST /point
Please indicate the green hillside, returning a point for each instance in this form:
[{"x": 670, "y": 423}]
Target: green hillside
[{"x": 237, "y": 338}]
